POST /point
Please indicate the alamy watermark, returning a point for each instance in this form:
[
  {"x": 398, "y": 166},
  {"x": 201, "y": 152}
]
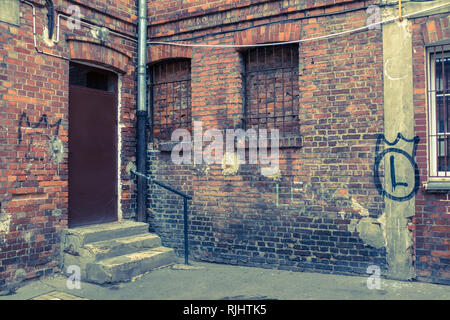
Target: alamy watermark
[
  {"x": 373, "y": 17},
  {"x": 374, "y": 281},
  {"x": 74, "y": 20},
  {"x": 74, "y": 278},
  {"x": 191, "y": 149}
]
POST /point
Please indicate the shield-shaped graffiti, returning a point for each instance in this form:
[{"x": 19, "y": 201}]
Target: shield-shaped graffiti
[{"x": 396, "y": 174}]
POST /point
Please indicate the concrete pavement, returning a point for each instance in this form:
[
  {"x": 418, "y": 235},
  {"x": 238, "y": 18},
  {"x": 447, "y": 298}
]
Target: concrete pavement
[{"x": 207, "y": 281}]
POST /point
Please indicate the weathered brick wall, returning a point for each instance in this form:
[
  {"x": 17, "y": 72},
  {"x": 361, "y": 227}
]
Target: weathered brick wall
[
  {"x": 307, "y": 217},
  {"x": 34, "y": 128},
  {"x": 431, "y": 224},
  {"x": 175, "y": 10}
]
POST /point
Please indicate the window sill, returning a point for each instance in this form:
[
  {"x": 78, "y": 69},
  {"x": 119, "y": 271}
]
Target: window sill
[
  {"x": 285, "y": 142},
  {"x": 437, "y": 186}
]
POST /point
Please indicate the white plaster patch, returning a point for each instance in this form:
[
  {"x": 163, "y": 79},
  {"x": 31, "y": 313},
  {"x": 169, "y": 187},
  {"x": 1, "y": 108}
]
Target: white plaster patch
[
  {"x": 101, "y": 34},
  {"x": 56, "y": 150},
  {"x": 362, "y": 211},
  {"x": 48, "y": 42},
  {"x": 5, "y": 222},
  {"x": 230, "y": 163},
  {"x": 371, "y": 232},
  {"x": 27, "y": 237},
  {"x": 274, "y": 174}
]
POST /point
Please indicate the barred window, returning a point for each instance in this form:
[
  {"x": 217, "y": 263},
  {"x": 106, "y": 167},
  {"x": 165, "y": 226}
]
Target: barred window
[
  {"x": 170, "y": 94},
  {"x": 271, "y": 88},
  {"x": 439, "y": 110}
]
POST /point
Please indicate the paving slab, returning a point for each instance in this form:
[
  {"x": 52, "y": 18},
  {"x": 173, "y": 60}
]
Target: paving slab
[{"x": 208, "y": 281}]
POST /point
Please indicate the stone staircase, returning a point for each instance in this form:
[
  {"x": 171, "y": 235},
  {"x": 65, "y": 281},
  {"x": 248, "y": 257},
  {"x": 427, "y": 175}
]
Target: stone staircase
[{"x": 113, "y": 252}]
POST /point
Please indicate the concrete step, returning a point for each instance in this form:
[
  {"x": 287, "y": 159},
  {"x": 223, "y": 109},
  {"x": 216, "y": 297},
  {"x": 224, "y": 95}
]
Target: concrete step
[
  {"x": 113, "y": 252},
  {"x": 127, "y": 266},
  {"x": 74, "y": 239},
  {"x": 101, "y": 250}
]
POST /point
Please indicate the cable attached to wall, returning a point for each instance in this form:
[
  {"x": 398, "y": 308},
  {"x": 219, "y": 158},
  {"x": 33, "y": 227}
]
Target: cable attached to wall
[{"x": 172, "y": 43}]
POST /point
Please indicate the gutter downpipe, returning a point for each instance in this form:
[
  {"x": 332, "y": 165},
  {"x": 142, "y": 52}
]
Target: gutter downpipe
[{"x": 142, "y": 112}]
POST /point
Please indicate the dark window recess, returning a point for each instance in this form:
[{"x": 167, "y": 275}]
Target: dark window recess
[
  {"x": 85, "y": 76},
  {"x": 271, "y": 89},
  {"x": 170, "y": 89},
  {"x": 439, "y": 97},
  {"x": 443, "y": 111}
]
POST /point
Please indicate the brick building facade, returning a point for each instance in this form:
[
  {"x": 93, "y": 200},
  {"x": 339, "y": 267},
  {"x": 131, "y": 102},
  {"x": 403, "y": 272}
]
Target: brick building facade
[
  {"x": 35, "y": 120},
  {"x": 326, "y": 209},
  {"x": 355, "y": 185}
]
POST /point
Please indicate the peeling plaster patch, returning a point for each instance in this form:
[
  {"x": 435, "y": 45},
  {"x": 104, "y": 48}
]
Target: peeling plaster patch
[
  {"x": 352, "y": 226},
  {"x": 56, "y": 150},
  {"x": 130, "y": 166},
  {"x": 5, "y": 221},
  {"x": 28, "y": 237},
  {"x": 371, "y": 231},
  {"x": 271, "y": 174},
  {"x": 101, "y": 34},
  {"x": 230, "y": 163},
  {"x": 362, "y": 211},
  {"x": 48, "y": 42},
  {"x": 20, "y": 275}
]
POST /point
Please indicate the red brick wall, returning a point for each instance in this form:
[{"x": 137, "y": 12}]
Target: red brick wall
[
  {"x": 165, "y": 11},
  {"x": 238, "y": 218},
  {"x": 431, "y": 224},
  {"x": 34, "y": 112}
]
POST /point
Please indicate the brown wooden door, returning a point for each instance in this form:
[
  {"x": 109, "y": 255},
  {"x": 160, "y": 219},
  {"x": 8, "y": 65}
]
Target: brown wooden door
[{"x": 92, "y": 156}]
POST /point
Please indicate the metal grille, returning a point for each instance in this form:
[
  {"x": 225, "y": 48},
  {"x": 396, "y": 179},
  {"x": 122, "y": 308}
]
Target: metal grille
[
  {"x": 170, "y": 97},
  {"x": 439, "y": 119},
  {"x": 271, "y": 88}
]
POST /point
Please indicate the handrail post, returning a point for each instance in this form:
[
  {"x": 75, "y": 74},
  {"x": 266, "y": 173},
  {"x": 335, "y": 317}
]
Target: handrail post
[
  {"x": 186, "y": 245},
  {"x": 185, "y": 206}
]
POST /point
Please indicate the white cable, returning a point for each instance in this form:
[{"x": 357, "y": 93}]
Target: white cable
[{"x": 294, "y": 41}]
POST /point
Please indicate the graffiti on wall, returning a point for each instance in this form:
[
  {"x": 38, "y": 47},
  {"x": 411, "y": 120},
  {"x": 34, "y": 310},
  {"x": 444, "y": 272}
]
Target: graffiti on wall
[
  {"x": 401, "y": 175},
  {"x": 41, "y": 139}
]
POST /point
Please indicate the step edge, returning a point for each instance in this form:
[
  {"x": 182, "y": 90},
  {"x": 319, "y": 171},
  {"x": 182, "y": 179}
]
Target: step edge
[{"x": 166, "y": 251}]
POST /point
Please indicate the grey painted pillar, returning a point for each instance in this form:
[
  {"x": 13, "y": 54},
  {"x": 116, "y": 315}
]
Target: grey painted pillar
[{"x": 398, "y": 118}]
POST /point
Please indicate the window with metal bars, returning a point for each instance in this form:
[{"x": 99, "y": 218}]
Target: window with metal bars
[
  {"x": 170, "y": 97},
  {"x": 271, "y": 88},
  {"x": 439, "y": 111}
]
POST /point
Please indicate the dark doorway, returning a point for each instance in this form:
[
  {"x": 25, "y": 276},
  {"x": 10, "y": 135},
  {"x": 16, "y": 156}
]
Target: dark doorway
[{"x": 92, "y": 146}]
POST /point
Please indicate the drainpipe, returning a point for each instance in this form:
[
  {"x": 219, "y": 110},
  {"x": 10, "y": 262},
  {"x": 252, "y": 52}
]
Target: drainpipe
[{"x": 141, "y": 157}]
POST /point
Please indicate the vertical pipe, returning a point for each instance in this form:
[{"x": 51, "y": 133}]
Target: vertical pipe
[
  {"x": 141, "y": 166},
  {"x": 141, "y": 110}
]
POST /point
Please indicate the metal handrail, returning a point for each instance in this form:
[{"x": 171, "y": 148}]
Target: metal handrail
[{"x": 186, "y": 197}]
